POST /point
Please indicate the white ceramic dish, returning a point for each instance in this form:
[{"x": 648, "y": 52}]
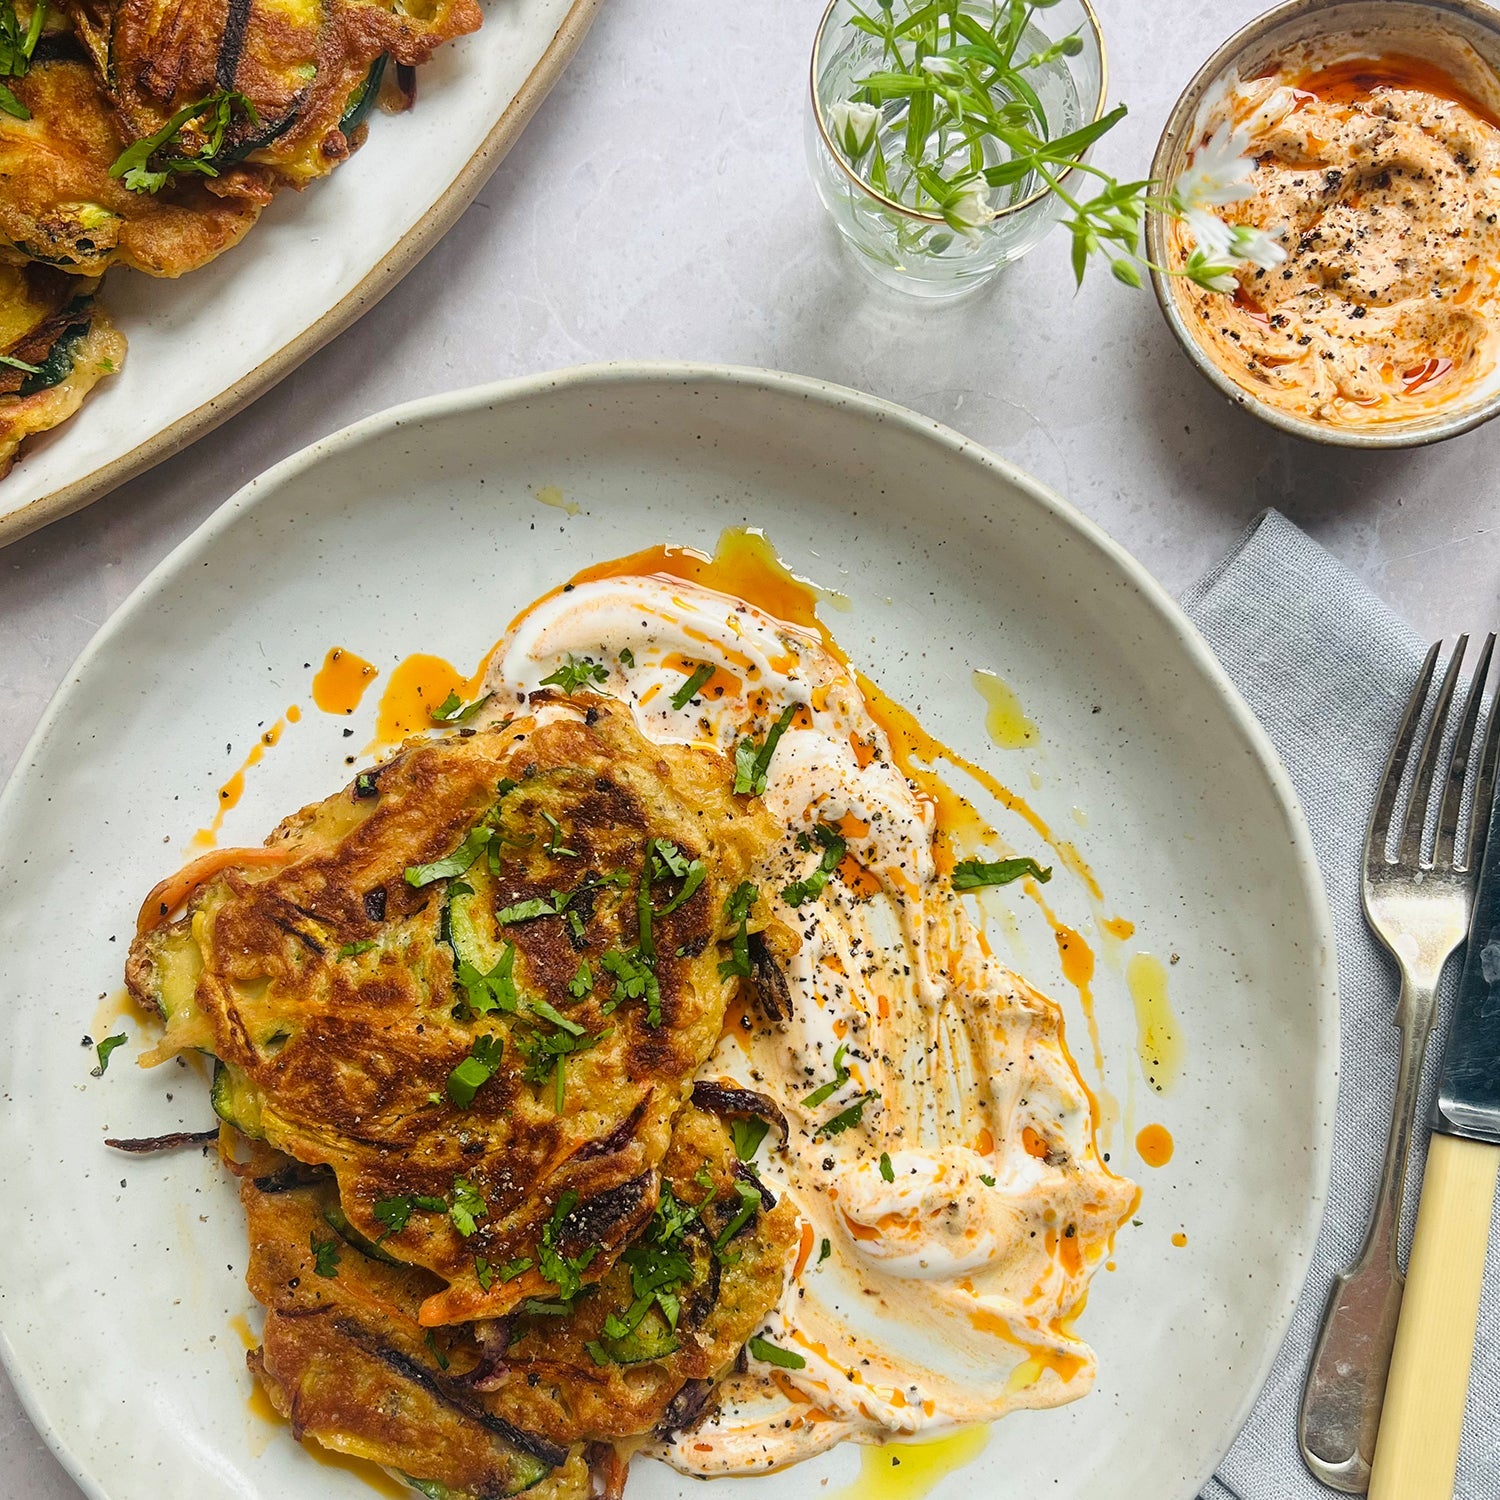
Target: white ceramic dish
[
  {"x": 421, "y": 530},
  {"x": 208, "y": 344}
]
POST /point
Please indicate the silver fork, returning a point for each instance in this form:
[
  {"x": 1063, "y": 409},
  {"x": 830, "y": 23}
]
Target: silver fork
[{"x": 1419, "y": 907}]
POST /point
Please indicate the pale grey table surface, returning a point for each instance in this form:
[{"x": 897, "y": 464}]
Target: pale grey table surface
[{"x": 658, "y": 207}]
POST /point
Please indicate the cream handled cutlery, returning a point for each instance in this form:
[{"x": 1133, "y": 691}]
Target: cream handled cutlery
[
  {"x": 1417, "y": 1454},
  {"x": 1418, "y": 904}
]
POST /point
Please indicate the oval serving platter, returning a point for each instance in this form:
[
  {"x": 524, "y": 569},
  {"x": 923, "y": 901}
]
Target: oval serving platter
[
  {"x": 424, "y": 529},
  {"x": 203, "y": 347}
]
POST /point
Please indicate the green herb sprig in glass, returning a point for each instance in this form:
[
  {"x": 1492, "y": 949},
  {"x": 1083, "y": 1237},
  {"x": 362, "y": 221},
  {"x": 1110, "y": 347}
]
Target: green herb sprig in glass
[{"x": 952, "y": 122}]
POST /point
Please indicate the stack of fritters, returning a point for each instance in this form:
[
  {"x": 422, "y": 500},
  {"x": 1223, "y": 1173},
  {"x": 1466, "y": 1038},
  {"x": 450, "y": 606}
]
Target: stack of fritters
[
  {"x": 152, "y": 134},
  {"x": 458, "y": 1009}
]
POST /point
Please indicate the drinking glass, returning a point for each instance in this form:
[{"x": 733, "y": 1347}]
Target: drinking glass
[{"x": 916, "y": 251}]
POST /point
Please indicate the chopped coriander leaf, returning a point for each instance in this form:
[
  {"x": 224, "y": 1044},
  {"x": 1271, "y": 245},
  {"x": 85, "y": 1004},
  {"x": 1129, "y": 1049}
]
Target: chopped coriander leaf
[
  {"x": 811, "y": 886},
  {"x": 824, "y": 1251},
  {"x": 627, "y": 657},
  {"x": 468, "y": 1206},
  {"x": 826, "y": 1091},
  {"x": 971, "y": 874},
  {"x": 103, "y": 1050},
  {"x": 576, "y": 927},
  {"x": 582, "y": 983},
  {"x": 689, "y": 689},
  {"x": 530, "y": 910},
  {"x": 365, "y": 785},
  {"x": 634, "y": 980},
  {"x": 747, "y": 1135},
  {"x": 987, "y": 1181},
  {"x": 16, "y": 48},
  {"x": 666, "y": 859},
  {"x": 325, "y": 1255},
  {"x": 438, "y": 1356},
  {"x": 395, "y": 1213},
  {"x": 564, "y": 1272},
  {"x": 504, "y": 787},
  {"x": 545, "y": 1056},
  {"x": 213, "y": 115},
  {"x": 483, "y": 1272},
  {"x": 486, "y": 993},
  {"x": 576, "y": 672},
  {"x": 692, "y": 872},
  {"x": 554, "y": 843},
  {"x": 549, "y": 1012},
  {"x": 737, "y": 910},
  {"x": 453, "y": 709},
  {"x": 887, "y": 1171},
  {"x": 353, "y": 950},
  {"x": 645, "y": 940},
  {"x": 475, "y": 1070},
  {"x": 9, "y": 360},
  {"x": 774, "y": 1354},
  {"x": 752, "y": 762},
  {"x": 749, "y": 1194},
  {"x": 453, "y": 864},
  {"x": 846, "y": 1117},
  {"x": 513, "y": 1268}
]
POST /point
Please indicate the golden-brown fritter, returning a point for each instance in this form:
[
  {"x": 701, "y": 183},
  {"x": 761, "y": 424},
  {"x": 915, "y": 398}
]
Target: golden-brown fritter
[
  {"x": 309, "y": 68},
  {"x": 492, "y": 1408},
  {"x": 58, "y": 203},
  {"x": 52, "y": 322},
  {"x": 477, "y": 986}
]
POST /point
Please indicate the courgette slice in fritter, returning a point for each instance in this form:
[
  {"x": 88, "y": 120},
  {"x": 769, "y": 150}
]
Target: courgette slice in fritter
[
  {"x": 235, "y": 1100},
  {"x": 362, "y": 100},
  {"x": 338, "y": 1221},
  {"x": 51, "y": 324}
]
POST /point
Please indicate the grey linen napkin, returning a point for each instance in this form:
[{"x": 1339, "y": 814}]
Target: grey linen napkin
[{"x": 1327, "y": 669}]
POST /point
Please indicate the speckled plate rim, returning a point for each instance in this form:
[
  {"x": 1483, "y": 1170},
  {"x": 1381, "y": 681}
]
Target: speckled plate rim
[
  {"x": 1323, "y": 980},
  {"x": 1434, "y": 428},
  {"x": 381, "y": 278}
]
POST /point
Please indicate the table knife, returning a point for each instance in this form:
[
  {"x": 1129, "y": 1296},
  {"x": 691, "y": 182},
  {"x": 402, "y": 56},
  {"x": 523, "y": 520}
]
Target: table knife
[{"x": 1416, "y": 1453}]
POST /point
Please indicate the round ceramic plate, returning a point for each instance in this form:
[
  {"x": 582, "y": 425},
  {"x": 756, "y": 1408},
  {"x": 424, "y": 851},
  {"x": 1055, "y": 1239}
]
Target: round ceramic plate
[
  {"x": 121, "y": 1279},
  {"x": 205, "y": 346}
]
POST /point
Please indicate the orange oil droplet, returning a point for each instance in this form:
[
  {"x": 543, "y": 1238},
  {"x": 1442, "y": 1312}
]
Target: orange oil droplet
[
  {"x": 1118, "y": 927},
  {"x": 1179, "y": 1239},
  {"x": 416, "y": 687},
  {"x": 744, "y": 565},
  {"x": 233, "y": 789},
  {"x": 341, "y": 681},
  {"x": 1155, "y": 1145},
  {"x": 719, "y": 684},
  {"x": 294, "y": 713}
]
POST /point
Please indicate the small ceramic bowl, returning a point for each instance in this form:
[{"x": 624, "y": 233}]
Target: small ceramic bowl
[{"x": 1461, "y": 36}]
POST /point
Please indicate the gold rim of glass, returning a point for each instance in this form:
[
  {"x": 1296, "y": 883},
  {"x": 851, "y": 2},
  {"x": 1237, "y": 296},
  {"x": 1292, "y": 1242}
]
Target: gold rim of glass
[{"x": 916, "y": 213}]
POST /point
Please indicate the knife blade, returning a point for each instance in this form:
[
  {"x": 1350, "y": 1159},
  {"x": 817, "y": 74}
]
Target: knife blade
[{"x": 1468, "y": 1098}]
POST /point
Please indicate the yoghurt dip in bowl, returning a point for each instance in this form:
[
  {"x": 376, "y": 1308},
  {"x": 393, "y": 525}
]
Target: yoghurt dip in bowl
[{"x": 1364, "y": 138}]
